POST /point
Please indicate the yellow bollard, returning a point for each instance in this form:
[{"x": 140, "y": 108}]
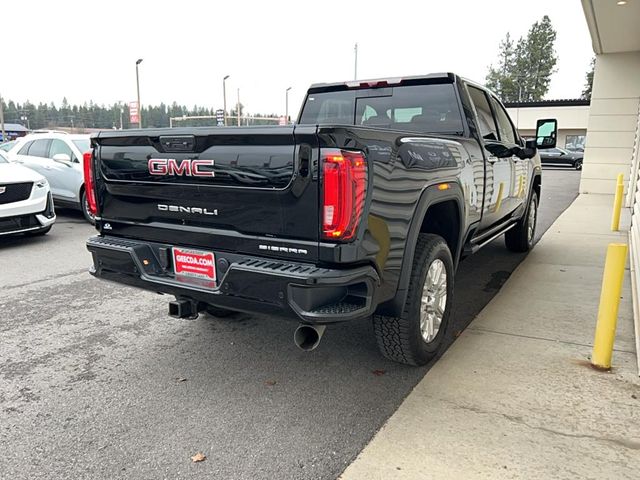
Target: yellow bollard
[
  {"x": 609, "y": 302},
  {"x": 617, "y": 204}
]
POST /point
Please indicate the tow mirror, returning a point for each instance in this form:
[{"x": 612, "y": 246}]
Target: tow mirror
[{"x": 546, "y": 133}]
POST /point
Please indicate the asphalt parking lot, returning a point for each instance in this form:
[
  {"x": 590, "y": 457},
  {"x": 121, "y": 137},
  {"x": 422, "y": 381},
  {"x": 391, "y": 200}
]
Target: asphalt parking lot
[{"x": 98, "y": 382}]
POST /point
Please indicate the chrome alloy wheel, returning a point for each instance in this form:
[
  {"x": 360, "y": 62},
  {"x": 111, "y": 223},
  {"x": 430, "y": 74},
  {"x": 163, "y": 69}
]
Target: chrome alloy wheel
[
  {"x": 434, "y": 300},
  {"x": 531, "y": 223}
]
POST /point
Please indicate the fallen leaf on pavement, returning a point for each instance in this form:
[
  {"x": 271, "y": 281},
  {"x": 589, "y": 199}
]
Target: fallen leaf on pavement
[
  {"x": 271, "y": 383},
  {"x": 378, "y": 373},
  {"x": 198, "y": 457},
  {"x": 181, "y": 379}
]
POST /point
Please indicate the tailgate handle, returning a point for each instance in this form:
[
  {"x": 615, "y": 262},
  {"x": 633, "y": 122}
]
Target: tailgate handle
[{"x": 178, "y": 143}]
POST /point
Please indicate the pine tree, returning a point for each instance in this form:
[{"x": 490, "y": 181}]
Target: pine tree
[
  {"x": 524, "y": 72},
  {"x": 499, "y": 79},
  {"x": 588, "y": 86}
]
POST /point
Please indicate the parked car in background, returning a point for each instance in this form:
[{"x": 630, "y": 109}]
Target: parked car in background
[
  {"x": 560, "y": 156},
  {"x": 57, "y": 156},
  {"x": 26, "y": 205}
]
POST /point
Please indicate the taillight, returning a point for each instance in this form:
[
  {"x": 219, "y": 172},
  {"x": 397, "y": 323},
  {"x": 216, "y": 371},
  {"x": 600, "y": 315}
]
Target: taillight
[
  {"x": 89, "y": 184},
  {"x": 344, "y": 177}
]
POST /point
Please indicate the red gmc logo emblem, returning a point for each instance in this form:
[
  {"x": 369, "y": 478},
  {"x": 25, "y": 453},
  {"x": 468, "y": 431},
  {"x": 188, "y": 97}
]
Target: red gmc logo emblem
[{"x": 186, "y": 167}]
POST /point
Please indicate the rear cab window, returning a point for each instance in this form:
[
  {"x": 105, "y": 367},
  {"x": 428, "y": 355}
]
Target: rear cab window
[{"x": 430, "y": 108}]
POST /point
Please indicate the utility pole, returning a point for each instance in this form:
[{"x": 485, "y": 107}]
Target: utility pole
[
  {"x": 138, "y": 62},
  {"x": 120, "y": 104},
  {"x": 355, "y": 67},
  {"x": 286, "y": 106},
  {"x": 224, "y": 98},
  {"x": 238, "y": 108},
  {"x": 4, "y": 134}
]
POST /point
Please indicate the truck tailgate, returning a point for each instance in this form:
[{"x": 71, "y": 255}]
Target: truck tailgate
[{"x": 218, "y": 188}]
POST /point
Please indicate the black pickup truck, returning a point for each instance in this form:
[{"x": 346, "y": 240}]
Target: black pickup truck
[{"x": 363, "y": 208}]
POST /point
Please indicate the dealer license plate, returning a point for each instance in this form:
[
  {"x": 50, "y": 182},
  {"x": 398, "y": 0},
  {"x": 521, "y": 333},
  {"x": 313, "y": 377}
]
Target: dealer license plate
[{"x": 194, "y": 263}]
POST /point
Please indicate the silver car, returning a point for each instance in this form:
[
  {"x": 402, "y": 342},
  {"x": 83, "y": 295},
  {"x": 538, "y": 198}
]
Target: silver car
[{"x": 57, "y": 156}]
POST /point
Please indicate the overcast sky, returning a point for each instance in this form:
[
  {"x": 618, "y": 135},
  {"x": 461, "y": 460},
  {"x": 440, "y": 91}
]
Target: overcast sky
[{"x": 86, "y": 50}]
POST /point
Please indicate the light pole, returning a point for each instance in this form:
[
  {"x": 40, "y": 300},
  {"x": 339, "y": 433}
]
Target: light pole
[
  {"x": 138, "y": 62},
  {"x": 4, "y": 134},
  {"x": 238, "y": 108},
  {"x": 224, "y": 98},
  {"x": 286, "y": 105},
  {"x": 355, "y": 66}
]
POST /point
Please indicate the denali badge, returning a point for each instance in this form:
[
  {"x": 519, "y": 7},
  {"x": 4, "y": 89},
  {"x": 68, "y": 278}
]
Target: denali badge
[
  {"x": 179, "y": 209},
  {"x": 186, "y": 167}
]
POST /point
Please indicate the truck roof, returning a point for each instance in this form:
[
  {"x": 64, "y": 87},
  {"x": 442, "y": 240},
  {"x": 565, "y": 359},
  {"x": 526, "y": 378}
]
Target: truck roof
[{"x": 443, "y": 77}]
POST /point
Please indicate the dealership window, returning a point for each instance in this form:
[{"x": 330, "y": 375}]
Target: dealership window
[{"x": 575, "y": 142}]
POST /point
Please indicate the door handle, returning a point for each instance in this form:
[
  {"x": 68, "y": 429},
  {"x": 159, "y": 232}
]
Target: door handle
[{"x": 492, "y": 159}]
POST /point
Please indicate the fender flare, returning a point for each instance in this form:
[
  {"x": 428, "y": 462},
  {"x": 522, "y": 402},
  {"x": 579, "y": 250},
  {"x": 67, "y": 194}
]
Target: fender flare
[{"x": 429, "y": 197}]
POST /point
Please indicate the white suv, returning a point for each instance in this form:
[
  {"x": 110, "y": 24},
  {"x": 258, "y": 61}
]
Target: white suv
[
  {"x": 58, "y": 157},
  {"x": 26, "y": 205}
]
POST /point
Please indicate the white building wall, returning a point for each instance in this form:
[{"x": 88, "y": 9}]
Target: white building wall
[
  {"x": 569, "y": 117},
  {"x": 572, "y": 120},
  {"x": 613, "y": 118}
]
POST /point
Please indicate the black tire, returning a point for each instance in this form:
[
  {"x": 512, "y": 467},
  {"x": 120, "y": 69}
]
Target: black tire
[
  {"x": 578, "y": 164},
  {"x": 219, "y": 312},
  {"x": 39, "y": 233},
  {"x": 84, "y": 206},
  {"x": 519, "y": 238},
  {"x": 400, "y": 338}
]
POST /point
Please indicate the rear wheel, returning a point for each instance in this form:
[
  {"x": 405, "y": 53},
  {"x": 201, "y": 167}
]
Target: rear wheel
[
  {"x": 84, "y": 205},
  {"x": 521, "y": 237},
  {"x": 417, "y": 335}
]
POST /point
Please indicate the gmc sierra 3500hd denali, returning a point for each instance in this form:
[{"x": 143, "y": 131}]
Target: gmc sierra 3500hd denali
[{"x": 363, "y": 208}]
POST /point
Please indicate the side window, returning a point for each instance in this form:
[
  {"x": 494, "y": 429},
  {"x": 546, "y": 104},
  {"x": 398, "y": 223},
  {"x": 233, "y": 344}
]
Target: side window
[
  {"x": 369, "y": 112},
  {"x": 25, "y": 149},
  {"x": 39, "y": 148},
  {"x": 59, "y": 146},
  {"x": 487, "y": 124},
  {"x": 505, "y": 127}
]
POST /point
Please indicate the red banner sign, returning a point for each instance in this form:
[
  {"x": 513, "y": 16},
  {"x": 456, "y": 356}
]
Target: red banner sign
[{"x": 134, "y": 116}]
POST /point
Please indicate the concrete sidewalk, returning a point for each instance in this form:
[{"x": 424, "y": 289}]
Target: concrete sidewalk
[{"x": 515, "y": 397}]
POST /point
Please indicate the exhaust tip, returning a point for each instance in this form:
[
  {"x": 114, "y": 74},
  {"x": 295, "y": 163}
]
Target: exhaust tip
[{"x": 307, "y": 337}]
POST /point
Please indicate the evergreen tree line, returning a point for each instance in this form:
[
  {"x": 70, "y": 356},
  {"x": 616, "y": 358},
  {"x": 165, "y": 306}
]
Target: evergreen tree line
[
  {"x": 524, "y": 68},
  {"x": 92, "y": 115}
]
